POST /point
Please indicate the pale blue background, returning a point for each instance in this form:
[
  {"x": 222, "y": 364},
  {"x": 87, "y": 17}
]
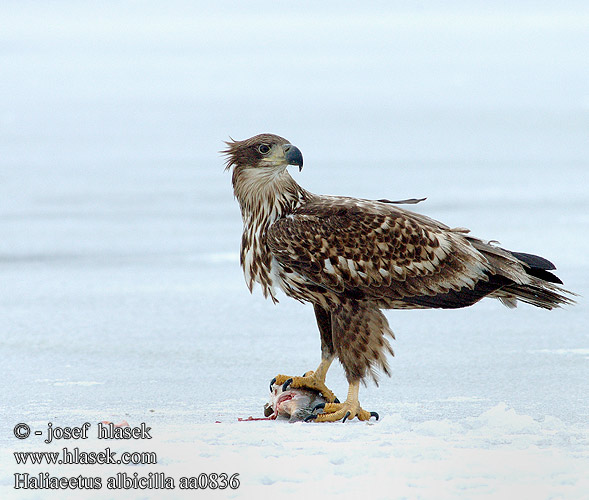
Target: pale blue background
[{"x": 121, "y": 290}]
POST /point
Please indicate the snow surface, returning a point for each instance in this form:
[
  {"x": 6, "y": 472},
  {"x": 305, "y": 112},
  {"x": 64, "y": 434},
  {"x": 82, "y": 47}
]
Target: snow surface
[{"x": 123, "y": 298}]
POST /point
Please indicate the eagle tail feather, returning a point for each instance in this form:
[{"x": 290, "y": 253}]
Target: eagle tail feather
[
  {"x": 511, "y": 276},
  {"x": 540, "y": 294},
  {"x": 536, "y": 285},
  {"x": 538, "y": 267}
]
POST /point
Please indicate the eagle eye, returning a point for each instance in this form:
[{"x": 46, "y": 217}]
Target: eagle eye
[{"x": 264, "y": 149}]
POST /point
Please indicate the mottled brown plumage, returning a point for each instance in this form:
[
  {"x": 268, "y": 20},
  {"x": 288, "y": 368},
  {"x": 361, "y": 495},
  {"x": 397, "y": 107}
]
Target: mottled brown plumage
[{"x": 351, "y": 258}]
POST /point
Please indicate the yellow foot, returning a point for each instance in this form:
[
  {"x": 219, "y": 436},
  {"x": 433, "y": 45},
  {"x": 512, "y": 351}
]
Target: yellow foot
[
  {"x": 350, "y": 408},
  {"x": 332, "y": 412},
  {"x": 308, "y": 381}
]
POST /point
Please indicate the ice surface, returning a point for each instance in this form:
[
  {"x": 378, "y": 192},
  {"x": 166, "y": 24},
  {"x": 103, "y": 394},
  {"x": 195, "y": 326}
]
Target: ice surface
[{"x": 122, "y": 297}]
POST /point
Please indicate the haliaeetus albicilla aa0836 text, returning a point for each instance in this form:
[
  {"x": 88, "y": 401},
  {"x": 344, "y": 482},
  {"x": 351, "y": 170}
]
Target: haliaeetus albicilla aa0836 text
[{"x": 351, "y": 258}]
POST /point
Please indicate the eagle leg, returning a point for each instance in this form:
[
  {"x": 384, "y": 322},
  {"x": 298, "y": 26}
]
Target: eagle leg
[
  {"x": 350, "y": 408},
  {"x": 314, "y": 380}
]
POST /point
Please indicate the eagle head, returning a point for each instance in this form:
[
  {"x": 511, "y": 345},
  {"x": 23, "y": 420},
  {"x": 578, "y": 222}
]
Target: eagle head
[{"x": 267, "y": 151}]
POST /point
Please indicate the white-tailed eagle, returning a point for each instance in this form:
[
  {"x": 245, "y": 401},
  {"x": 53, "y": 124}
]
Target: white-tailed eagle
[{"x": 351, "y": 258}]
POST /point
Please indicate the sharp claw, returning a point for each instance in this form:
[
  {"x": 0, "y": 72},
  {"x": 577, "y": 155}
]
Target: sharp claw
[
  {"x": 272, "y": 383},
  {"x": 310, "y": 417},
  {"x": 286, "y": 384},
  {"x": 374, "y": 414},
  {"x": 346, "y": 417},
  {"x": 336, "y": 401},
  {"x": 320, "y": 406}
]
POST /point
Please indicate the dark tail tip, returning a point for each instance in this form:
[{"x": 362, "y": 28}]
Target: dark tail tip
[
  {"x": 534, "y": 261},
  {"x": 538, "y": 267}
]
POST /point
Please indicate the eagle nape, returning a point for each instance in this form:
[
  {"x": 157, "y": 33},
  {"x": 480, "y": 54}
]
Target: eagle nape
[{"x": 353, "y": 258}]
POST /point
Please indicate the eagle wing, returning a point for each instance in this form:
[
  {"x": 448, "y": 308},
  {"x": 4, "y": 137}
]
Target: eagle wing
[{"x": 371, "y": 250}]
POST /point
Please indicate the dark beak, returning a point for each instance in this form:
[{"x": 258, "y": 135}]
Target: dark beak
[{"x": 293, "y": 155}]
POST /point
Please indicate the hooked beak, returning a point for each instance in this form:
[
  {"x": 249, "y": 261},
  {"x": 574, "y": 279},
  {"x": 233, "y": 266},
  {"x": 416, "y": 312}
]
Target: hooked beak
[{"x": 293, "y": 155}]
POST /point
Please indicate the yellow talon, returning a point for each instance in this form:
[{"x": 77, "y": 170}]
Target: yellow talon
[
  {"x": 307, "y": 382},
  {"x": 314, "y": 380},
  {"x": 342, "y": 411},
  {"x": 349, "y": 409}
]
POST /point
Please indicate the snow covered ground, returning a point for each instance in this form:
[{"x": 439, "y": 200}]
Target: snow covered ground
[{"x": 122, "y": 297}]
